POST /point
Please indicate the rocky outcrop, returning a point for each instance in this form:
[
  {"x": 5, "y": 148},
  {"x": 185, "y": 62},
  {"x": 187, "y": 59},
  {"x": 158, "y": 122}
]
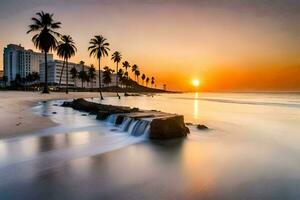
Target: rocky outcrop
[
  {"x": 202, "y": 127},
  {"x": 168, "y": 127},
  {"x": 163, "y": 126}
]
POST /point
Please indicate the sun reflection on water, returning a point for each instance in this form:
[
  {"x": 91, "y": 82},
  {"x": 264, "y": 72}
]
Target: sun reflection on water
[{"x": 196, "y": 106}]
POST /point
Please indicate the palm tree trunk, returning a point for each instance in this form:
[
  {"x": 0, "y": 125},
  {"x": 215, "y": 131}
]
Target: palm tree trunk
[
  {"x": 46, "y": 89},
  {"x": 61, "y": 73},
  {"x": 99, "y": 79},
  {"x": 67, "y": 70},
  {"x": 117, "y": 81}
]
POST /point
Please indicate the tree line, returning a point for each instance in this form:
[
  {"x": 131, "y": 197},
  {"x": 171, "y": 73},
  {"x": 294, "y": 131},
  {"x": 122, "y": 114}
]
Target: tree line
[{"x": 46, "y": 38}]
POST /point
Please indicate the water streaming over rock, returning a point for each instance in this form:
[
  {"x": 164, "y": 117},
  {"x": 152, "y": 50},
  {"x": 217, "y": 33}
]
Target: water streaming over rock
[{"x": 135, "y": 127}]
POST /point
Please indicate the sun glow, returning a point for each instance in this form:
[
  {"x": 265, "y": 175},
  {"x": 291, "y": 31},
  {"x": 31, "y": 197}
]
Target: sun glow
[{"x": 196, "y": 82}]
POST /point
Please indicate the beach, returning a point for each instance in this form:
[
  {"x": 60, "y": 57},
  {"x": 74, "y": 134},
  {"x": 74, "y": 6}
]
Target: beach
[
  {"x": 17, "y": 120},
  {"x": 250, "y": 151}
]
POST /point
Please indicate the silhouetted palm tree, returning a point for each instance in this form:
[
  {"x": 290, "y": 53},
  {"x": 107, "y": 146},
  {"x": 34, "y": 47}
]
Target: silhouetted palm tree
[
  {"x": 107, "y": 75},
  {"x": 126, "y": 65},
  {"x": 99, "y": 48},
  {"x": 74, "y": 74},
  {"x": 83, "y": 77},
  {"x": 147, "y": 81},
  {"x": 120, "y": 75},
  {"x": 152, "y": 81},
  {"x": 117, "y": 57},
  {"x": 143, "y": 78},
  {"x": 92, "y": 74},
  {"x": 66, "y": 49},
  {"x": 134, "y": 68},
  {"x": 45, "y": 38},
  {"x": 137, "y": 73}
]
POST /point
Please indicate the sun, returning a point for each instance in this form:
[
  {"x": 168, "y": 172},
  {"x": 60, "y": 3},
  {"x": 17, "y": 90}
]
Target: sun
[{"x": 196, "y": 82}]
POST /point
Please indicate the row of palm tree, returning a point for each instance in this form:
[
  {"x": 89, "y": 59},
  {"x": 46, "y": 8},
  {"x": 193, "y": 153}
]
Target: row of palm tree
[{"x": 46, "y": 39}]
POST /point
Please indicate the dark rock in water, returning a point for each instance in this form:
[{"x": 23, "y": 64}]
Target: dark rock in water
[
  {"x": 102, "y": 115},
  {"x": 83, "y": 114},
  {"x": 55, "y": 104},
  {"x": 168, "y": 127},
  {"x": 54, "y": 112},
  {"x": 189, "y": 124},
  {"x": 119, "y": 119},
  {"x": 202, "y": 127},
  {"x": 128, "y": 95}
]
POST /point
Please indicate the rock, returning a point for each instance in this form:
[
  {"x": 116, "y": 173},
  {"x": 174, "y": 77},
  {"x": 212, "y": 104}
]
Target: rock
[
  {"x": 83, "y": 114},
  {"x": 168, "y": 128},
  {"x": 119, "y": 119},
  {"x": 102, "y": 115},
  {"x": 54, "y": 112},
  {"x": 202, "y": 127},
  {"x": 189, "y": 124}
]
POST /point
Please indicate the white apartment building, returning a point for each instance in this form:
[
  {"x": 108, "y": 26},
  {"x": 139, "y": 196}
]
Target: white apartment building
[
  {"x": 54, "y": 71},
  {"x": 18, "y": 60}
]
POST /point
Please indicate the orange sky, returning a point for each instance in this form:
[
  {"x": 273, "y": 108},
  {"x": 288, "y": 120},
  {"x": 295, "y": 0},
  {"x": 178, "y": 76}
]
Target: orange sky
[{"x": 233, "y": 45}]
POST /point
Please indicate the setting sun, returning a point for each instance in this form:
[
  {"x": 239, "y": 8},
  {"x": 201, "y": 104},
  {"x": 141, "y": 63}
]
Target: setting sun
[{"x": 196, "y": 83}]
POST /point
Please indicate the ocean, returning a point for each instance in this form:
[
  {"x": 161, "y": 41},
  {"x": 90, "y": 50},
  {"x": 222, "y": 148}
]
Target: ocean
[{"x": 251, "y": 151}]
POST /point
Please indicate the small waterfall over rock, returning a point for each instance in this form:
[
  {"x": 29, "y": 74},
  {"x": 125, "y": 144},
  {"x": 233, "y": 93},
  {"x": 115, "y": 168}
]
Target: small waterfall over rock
[
  {"x": 135, "y": 127},
  {"x": 112, "y": 118}
]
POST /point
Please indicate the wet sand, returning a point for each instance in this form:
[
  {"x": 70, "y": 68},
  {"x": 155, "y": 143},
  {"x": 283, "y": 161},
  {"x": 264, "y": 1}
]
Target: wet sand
[{"x": 17, "y": 120}]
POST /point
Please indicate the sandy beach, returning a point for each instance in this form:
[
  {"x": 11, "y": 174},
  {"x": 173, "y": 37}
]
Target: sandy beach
[{"x": 17, "y": 120}]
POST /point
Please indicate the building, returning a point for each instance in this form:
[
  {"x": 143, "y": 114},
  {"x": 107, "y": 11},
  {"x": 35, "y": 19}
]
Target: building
[
  {"x": 54, "y": 71},
  {"x": 18, "y": 60}
]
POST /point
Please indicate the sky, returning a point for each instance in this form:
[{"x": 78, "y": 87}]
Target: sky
[{"x": 229, "y": 45}]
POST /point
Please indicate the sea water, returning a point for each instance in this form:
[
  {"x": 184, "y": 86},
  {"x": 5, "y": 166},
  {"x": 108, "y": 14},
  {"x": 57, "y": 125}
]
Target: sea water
[{"x": 251, "y": 151}]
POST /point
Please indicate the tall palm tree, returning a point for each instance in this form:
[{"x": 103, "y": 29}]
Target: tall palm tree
[
  {"x": 74, "y": 74},
  {"x": 45, "y": 38},
  {"x": 66, "y": 49},
  {"x": 99, "y": 48},
  {"x": 92, "y": 74},
  {"x": 147, "y": 81},
  {"x": 134, "y": 68},
  {"x": 143, "y": 78},
  {"x": 117, "y": 57}
]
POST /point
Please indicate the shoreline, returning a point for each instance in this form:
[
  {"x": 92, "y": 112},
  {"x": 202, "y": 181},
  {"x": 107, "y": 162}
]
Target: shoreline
[{"x": 16, "y": 118}]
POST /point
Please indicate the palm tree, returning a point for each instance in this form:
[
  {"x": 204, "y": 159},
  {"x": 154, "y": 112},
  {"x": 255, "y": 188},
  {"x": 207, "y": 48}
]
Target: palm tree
[
  {"x": 107, "y": 75},
  {"x": 66, "y": 49},
  {"x": 74, "y": 74},
  {"x": 120, "y": 75},
  {"x": 147, "y": 81},
  {"x": 143, "y": 78},
  {"x": 99, "y": 48},
  {"x": 137, "y": 73},
  {"x": 117, "y": 57},
  {"x": 92, "y": 74},
  {"x": 83, "y": 77},
  {"x": 152, "y": 81},
  {"x": 82, "y": 72},
  {"x": 36, "y": 76},
  {"x": 126, "y": 65},
  {"x": 134, "y": 68},
  {"x": 45, "y": 37}
]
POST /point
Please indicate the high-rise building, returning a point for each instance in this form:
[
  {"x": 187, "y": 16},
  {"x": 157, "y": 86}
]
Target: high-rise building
[
  {"x": 54, "y": 71},
  {"x": 18, "y": 60}
]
